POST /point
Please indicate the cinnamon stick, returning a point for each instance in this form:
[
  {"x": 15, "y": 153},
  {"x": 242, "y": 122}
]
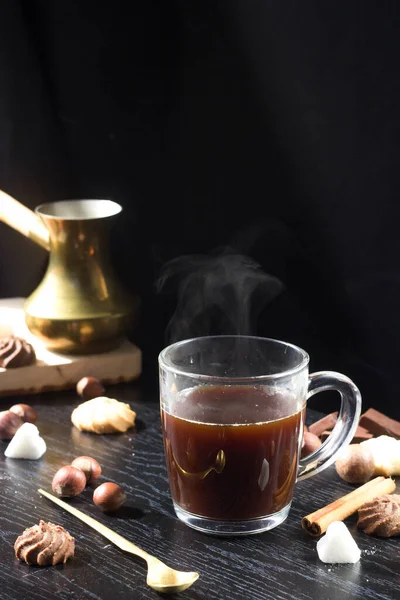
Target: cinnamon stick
[{"x": 317, "y": 522}]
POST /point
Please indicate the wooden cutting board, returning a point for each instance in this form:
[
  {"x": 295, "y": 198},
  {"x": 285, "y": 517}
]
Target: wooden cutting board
[{"x": 60, "y": 371}]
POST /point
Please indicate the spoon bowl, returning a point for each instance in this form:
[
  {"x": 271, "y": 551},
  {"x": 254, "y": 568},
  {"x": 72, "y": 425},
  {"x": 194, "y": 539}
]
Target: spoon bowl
[
  {"x": 166, "y": 580},
  {"x": 160, "y": 577}
]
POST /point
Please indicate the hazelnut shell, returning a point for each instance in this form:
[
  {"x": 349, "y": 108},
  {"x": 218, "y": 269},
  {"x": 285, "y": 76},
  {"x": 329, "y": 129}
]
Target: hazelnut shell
[
  {"x": 68, "y": 481},
  {"x": 109, "y": 496},
  {"x": 26, "y": 412},
  {"x": 89, "y": 388},
  {"x": 311, "y": 442},
  {"x": 89, "y": 466},
  {"x": 9, "y": 424}
]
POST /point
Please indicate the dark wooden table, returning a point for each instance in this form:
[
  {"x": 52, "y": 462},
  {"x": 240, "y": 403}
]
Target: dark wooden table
[{"x": 280, "y": 565}]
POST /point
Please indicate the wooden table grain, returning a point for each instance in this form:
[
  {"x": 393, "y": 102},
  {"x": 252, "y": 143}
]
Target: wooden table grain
[{"x": 278, "y": 565}]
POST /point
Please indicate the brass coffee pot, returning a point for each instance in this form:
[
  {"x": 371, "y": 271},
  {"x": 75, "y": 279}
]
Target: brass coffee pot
[{"x": 79, "y": 307}]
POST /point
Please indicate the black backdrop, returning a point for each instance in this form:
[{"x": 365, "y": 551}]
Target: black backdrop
[{"x": 272, "y": 127}]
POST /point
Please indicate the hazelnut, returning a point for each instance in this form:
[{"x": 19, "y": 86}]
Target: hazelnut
[
  {"x": 26, "y": 412},
  {"x": 9, "y": 423},
  {"x": 69, "y": 481},
  {"x": 89, "y": 466},
  {"x": 355, "y": 464},
  {"x": 310, "y": 443},
  {"x": 109, "y": 496},
  {"x": 89, "y": 387}
]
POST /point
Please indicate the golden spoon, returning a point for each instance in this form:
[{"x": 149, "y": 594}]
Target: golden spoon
[
  {"x": 159, "y": 577},
  {"x": 218, "y": 467}
]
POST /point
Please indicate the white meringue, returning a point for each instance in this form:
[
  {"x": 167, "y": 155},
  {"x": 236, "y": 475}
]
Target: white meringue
[
  {"x": 338, "y": 545},
  {"x": 26, "y": 443}
]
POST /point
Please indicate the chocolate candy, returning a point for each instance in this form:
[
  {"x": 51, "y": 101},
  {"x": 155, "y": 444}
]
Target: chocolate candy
[
  {"x": 327, "y": 422},
  {"x": 379, "y": 424}
]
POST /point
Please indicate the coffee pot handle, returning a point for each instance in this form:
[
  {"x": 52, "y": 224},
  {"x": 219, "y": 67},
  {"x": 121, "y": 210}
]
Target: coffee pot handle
[
  {"x": 347, "y": 422},
  {"x": 22, "y": 219}
]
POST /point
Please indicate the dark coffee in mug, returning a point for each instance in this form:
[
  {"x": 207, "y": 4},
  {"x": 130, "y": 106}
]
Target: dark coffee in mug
[
  {"x": 232, "y": 453},
  {"x": 233, "y": 409}
]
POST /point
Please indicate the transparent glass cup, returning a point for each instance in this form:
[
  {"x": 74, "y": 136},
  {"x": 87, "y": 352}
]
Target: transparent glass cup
[{"x": 232, "y": 413}]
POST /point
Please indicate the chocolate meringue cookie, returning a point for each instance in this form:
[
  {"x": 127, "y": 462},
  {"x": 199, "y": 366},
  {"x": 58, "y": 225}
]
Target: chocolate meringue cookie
[
  {"x": 381, "y": 516},
  {"x": 16, "y": 352},
  {"x": 44, "y": 544}
]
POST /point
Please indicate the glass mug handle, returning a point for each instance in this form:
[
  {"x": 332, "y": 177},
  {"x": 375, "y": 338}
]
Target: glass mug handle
[{"x": 347, "y": 422}]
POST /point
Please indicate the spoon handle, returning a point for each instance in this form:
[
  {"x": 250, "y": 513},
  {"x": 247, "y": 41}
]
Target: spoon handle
[{"x": 111, "y": 535}]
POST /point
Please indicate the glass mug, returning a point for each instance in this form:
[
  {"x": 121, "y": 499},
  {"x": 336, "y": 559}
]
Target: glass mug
[{"x": 232, "y": 413}]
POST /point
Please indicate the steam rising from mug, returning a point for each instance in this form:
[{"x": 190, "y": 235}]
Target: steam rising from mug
[{"x": 221, "y": 293}]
